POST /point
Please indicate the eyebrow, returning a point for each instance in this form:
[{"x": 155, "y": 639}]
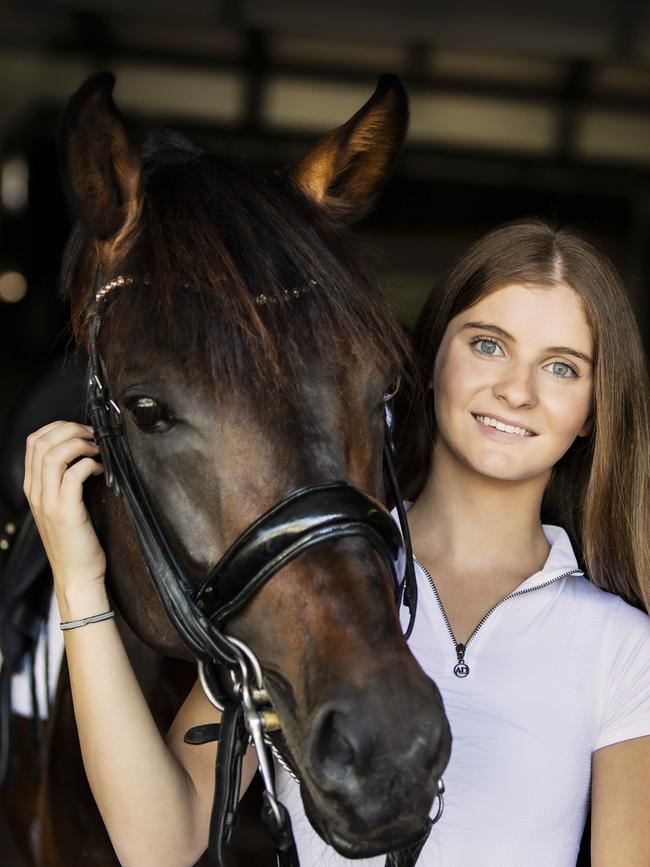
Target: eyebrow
[{"x": 501, "y": 332}]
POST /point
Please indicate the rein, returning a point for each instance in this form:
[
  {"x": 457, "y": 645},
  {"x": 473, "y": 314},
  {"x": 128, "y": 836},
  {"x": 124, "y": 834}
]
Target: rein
[{"x": 305, "y": 518}]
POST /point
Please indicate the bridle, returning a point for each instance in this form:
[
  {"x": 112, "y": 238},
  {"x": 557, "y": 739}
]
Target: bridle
[{"x": 303, "y": 519}]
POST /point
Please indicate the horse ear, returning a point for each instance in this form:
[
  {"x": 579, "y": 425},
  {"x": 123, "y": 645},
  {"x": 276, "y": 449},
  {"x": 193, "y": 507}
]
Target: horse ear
[
  {"x": 345, "y": 169},
  {"x": 101, "y": 169}
]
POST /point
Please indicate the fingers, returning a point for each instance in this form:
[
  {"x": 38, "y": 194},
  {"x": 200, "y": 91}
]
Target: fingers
[
  {"x": 71, "y": 488},
  {"x": 59, "y": 458},
  {"x": 55, "y": 466},
  {"x": 29, "y": 451},
  {"x": 48, "y": 451}
]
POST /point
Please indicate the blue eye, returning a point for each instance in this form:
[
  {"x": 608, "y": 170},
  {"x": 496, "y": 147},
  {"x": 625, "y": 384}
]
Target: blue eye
[
  {"x": 563, "y": 370},
  {"x": 485, "y": 346}
]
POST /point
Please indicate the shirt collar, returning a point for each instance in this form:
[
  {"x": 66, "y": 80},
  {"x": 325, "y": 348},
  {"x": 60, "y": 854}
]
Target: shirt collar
[{"x": 561, "y": 557}]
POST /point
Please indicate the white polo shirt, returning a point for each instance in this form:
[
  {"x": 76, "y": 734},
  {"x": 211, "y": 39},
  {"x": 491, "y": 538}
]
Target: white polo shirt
[{"x": 555, "y": 674}]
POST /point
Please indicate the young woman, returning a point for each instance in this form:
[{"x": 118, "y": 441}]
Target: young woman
[{"x": 533, "y": 406}]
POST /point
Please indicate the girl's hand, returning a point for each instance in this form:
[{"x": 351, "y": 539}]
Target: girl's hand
[{"x": 58, "y": 460}]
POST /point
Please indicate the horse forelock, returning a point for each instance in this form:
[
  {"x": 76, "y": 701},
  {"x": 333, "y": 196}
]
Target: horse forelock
[{"x": 211, "y": 237}]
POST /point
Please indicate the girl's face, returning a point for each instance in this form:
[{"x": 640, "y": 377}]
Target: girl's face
[{"x": 513, "y": 381}]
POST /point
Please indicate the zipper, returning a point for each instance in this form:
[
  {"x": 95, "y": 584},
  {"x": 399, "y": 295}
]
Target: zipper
[{"x": 461, "y": 669}]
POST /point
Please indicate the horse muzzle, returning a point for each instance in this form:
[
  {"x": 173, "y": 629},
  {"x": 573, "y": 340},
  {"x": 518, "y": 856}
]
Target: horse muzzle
[{"x": 372, "y": 769}]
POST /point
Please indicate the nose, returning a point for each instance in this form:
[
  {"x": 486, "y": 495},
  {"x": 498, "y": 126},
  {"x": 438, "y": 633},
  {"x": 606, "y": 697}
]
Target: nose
[
  {"x": 339, "y": 751},
  {"x": 351, "y": 761},
  {"x": 516, "y": 387}
]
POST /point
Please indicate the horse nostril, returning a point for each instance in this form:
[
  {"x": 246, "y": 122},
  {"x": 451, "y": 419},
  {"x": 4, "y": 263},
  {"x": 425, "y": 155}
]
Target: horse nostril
[{"x": 337, "y": 752}]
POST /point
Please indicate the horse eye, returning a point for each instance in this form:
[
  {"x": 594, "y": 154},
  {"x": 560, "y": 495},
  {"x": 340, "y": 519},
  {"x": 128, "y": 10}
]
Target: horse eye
[{"x": 149, "y": 415}]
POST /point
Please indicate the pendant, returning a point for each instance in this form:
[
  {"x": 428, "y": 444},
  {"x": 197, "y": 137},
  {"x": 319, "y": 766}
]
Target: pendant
[{"x": 461, "y": 669}]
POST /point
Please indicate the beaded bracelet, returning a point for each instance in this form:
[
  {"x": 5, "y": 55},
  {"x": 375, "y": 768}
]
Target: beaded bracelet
[{"x": 96, "y": 618}]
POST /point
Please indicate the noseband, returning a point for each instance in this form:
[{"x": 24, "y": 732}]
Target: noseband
[{"x": 305, "y": 518}]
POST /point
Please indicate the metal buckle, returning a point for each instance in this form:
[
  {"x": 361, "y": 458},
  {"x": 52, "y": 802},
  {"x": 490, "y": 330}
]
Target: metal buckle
[
  {"x": 258, "y": 719},
  {"x": 255, "y": 719}
]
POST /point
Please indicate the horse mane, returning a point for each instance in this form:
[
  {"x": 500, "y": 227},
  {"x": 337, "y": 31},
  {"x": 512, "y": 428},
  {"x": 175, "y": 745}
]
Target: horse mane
[{"x": 212, "y": 235}]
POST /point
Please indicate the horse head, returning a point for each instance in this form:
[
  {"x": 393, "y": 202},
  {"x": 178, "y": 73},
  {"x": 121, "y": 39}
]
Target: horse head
[{"x": 248, "y": 352}]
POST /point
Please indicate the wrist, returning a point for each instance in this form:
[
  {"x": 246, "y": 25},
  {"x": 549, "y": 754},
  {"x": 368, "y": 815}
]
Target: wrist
[{"x": 82, "y": 601}]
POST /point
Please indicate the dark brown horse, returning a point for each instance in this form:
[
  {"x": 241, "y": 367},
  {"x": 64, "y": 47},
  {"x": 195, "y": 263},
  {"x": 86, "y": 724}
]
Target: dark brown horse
[{"x": 249, "y": 353}]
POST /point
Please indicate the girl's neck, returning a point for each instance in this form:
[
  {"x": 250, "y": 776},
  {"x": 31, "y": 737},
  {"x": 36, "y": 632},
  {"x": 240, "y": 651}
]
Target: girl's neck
[{"x": 469, "y": 523}]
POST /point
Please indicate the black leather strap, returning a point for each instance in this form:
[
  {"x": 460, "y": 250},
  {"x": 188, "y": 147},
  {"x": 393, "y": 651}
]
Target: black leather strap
[
  {"x": 409, "y": 595},
  {"x": 174, "y": 589},
  {"x": 233, "y": 739},
  {"x": 204, "y": 734},
  {"x": 281, "y": 832},
  {"x": 305, "y": 518}
]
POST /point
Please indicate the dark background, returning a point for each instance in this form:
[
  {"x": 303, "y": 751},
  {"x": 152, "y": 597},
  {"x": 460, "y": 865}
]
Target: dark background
[{"x": 517, "y": 108}]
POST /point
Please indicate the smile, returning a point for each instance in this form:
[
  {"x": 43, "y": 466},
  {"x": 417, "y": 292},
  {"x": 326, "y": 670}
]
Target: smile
[{"x": 489, "y": 421}]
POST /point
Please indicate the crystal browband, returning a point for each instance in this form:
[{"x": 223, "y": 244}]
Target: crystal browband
[
  {"x": 261, "y": 298},
  {"x": 286, "y": 294},
  {"x": 120, "y": 280}
]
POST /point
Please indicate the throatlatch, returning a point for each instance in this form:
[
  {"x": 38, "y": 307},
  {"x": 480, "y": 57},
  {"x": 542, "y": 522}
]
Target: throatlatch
[{"x": 305, "y": 518}]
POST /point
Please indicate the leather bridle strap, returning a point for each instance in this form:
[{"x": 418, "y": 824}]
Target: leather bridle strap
[
  {"x": 307, "y": 517},
  {"x": 409, "y": 587},
  {"x": 233, "y": 741},
  {"x": 233, "y": 737},
  {"x": 175, "y": 591},
  {"x": 277, "y": 822}
]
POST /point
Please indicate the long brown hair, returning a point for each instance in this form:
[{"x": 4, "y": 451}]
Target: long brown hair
[{"x": 600, "y": 489}]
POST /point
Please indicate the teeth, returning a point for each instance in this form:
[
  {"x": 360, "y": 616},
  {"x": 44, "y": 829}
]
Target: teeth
[{"x": 499, "y": 425}]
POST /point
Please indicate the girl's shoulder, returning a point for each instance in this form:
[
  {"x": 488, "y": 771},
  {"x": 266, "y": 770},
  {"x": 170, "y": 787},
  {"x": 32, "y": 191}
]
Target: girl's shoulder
[
  {"x": 582, "y": 599},
  {"x": 621, "y": 656},
  {"x": 605, "y": 599},
  {"x": 621, "y": 617},
  {"x": 630, "y": 627}
]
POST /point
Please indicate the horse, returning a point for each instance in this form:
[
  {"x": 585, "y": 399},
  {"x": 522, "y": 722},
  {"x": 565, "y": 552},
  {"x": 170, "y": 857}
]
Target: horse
[{"x": 248, "y": 353}]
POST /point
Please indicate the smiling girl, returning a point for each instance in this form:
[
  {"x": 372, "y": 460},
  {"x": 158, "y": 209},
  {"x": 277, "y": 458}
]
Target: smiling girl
[{"x": 534, "y": 408}]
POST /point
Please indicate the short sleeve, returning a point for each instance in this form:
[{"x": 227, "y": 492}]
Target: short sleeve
[{"x": 626, "y": 690}]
